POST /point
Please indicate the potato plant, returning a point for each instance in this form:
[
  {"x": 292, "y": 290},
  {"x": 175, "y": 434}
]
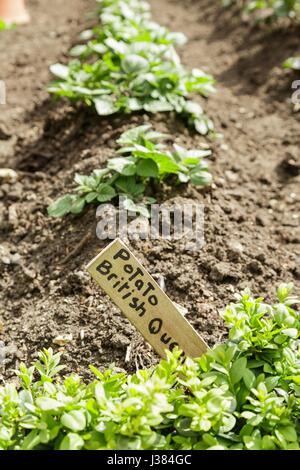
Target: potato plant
[
  {"x": 142, "y": 158},
  {"x": 271, "y": 9},
  {"x": 129, "y": 63},
  {"x": 241, "y": 395}
]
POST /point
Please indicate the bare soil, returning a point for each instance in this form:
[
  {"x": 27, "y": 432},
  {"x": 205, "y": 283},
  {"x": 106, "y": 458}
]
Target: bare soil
[{"x": 251, "y": 211}]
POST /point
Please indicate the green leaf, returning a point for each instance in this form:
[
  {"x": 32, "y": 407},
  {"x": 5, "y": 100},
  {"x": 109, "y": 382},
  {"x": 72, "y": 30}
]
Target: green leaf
[
  {"x": 291, "y": 332},
  {"x": 5, "y": 433},
  {"x": 128, "y": 185},
  {"x": 77, "y": 205},
  {"x": 249, "y": 379},
  {"x": 268, "y": 443},
  {"x": 60, "y": 71},
  {"x": 203, "y": 125},
  {"x": 74, "y": 420},
  {"x": 72, "y": 441},
  {"x": 133, "y": 135},
  {"x": 288, "y": 432},
  {"x": 78, "y": 50},
  {"x": 228, "y": 424},
  {"x": 31, "y": 441},
  {"x": 98, "y": 48},
  {"x": 49, "y": 404},
  {"x": 191, "y": 107},
  {"x": 105, "y": 105},
  {"x": 252, "y": 443},
  {"x": 100, "y": 173},
  {"x": 81, "y": 180},
  {"x": 163, "y": 161},
  {"x": 238, "y": 370},
  {"x": 117, "y": 46},
  {"x": 61, "y": 206},
  {"x": 128, "y": 443},
  {"x": 96, "y": 441},
  {"x": 283, "y": 291},
  {"x": 123, "y": 165},
  {"x": 105, "y": 192},
  {"x": 147, "y": 168},
  {"x": 157, "y": 106},
  {"x": 131, "y": 206},
  {"x": 201, "y": 178},
  {"x": 133, "y": 63},
  {"x": 86, "y": 34},
  {"x": 134, "y": 104},
  {"x": 90, "y": 197}
]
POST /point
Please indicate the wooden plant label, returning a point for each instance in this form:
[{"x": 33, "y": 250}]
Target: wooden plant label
[{"x": 143, "y": 302}]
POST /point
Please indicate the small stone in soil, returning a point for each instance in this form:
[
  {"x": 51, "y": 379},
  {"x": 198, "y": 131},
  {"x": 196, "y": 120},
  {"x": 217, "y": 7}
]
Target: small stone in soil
[
  {"x": 119, "y": 340},
  {"x": 62, "y": 340},
  {"x": 235, "y": 250},
  {"x": 222, "y": 272},
  {"x": 261, "y": 220},
  {"x": 255, "y": 267},
  {"x": 8, "y": 175}
]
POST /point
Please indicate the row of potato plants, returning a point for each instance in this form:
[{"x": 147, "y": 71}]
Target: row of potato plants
[
  {"x": 270, "y": 10},
  {"x": 125, "y": 64},
  {"x": 128, "y": 63},
  {"x": 141, "y": 160}
]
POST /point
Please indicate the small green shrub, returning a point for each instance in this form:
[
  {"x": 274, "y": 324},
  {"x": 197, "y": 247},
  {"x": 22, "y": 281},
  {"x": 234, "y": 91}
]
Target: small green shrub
[
  {"x": 243, "y": 394},
  {"x": 141, "y": 159}
]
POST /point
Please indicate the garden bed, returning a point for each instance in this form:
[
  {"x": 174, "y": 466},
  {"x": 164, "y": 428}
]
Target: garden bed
[{"x": 251, "y": 211}]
